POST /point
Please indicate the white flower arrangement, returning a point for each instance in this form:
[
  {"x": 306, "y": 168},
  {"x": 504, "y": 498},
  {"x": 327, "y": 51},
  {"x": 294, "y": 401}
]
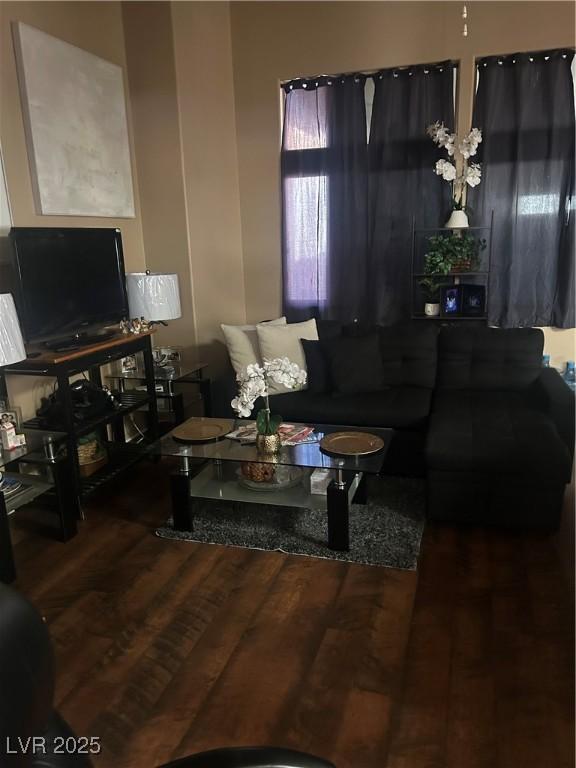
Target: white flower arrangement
[
  {"x": 254, "y": 383},
  {"x": 459, "y": 172}
]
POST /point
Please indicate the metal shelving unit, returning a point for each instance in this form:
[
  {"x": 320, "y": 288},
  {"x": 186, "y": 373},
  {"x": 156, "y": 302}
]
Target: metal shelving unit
[
  {"x": 49, "y": 459},
  {"x": 61, "y": 366},
  {"x": 480, "y": 276}
]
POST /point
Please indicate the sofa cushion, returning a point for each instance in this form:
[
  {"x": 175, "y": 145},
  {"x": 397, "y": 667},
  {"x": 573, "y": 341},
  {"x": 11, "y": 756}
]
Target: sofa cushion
[
  {"x": 242, "y": 344},
  {"x": 409, "y": 355},
  {"x": 409, "y": 352},
  {"x": 316, "y": 366},
  {"x": 355, "y": 365},
  {"x": 285, "y": 341},
  {"x": 401, "y": 408},
  {"x": 489, "y": 358},
  {"x": 499, "y": 432}
]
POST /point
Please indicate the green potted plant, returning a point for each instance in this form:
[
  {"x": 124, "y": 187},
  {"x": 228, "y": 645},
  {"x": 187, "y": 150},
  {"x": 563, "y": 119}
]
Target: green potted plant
[
  {"x": 430, "y": 286},
  {"x": 447, "y": 254},
  {"x": 453, "y": 253}
]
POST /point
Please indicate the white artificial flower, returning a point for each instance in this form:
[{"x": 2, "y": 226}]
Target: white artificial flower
[
  {"x": 254, "y": 370},
  {"x": 469, "y": 145},
  {"x": 241, "y": 407},
  {"x": 253, "y": 382},
  {"x": 440, "y": 135},
  {"x": 475, "y": 136},
  {"x": 445, "y": 169},
  {"x": 473, "y": 175},
  {"x": 433, "y": 129}
]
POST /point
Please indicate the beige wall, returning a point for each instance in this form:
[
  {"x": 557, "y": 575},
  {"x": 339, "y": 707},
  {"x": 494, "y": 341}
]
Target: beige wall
[
  {"x": 180, "y": 72},
  {"x": 95, "y": 27},
  {"x": 275, "y": 41},
  {"x": 203, "y": 56},
  {"x": 153, "y": 95}
]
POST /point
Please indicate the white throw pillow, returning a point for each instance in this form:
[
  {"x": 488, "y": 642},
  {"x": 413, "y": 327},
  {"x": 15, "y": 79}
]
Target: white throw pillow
[
  {"x": 242, "y": 343},
  {"x": 284, "y": 341}
]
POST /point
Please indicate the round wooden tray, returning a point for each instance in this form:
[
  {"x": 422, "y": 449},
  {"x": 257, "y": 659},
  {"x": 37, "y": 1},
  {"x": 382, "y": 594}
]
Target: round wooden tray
[
  {"x": 202, "y": 430},
  {"x": 351, "y": 443}
]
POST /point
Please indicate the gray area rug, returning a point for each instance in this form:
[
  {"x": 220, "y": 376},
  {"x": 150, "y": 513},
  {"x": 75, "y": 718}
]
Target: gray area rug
[{"x": 386, "y": 531}]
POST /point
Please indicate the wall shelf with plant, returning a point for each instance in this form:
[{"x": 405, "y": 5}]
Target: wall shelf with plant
[{"x": 444, "y": 257}]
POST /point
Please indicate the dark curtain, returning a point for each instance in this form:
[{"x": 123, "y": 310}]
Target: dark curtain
[
  {"x": 525, "y": 108},
  {"x": 324, "y": 199},
  {"x": 403, "y": 184}
]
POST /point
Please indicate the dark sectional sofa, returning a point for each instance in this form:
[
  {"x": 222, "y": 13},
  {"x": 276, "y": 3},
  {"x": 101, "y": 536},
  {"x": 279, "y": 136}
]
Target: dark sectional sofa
[{"x": 473, "y": 409}]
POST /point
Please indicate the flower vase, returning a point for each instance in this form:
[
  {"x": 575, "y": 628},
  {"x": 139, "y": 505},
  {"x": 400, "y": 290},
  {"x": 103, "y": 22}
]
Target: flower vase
[
  {"x": 458, "y": 220},
  {"x": 431, "y": 309},
  {"x": 268, "y": 445}
]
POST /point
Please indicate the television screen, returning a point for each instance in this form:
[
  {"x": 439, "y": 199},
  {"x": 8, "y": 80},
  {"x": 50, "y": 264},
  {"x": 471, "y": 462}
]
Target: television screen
[{"x": 67, "y": 281}]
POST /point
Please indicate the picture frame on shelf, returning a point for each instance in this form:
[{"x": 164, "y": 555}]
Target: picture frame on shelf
[
  {"x": 11, "y": 414},
  {"x": 170, "y": 354},
  {"x": 129, "y": 363},
  {"x": 473, "y": 300},
  {"x": 450, "y": 300}
]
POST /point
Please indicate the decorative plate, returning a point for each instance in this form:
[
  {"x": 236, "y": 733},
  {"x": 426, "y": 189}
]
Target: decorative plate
[
  {"x": 201, "y": 430},
  {"x": 351, "y": 443}
]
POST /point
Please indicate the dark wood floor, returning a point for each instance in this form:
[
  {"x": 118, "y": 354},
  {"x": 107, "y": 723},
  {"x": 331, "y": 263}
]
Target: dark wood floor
[{"x": 167, "y": 648}]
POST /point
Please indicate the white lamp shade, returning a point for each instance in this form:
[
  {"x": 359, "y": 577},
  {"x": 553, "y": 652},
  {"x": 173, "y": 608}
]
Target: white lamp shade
[
  {"x": 153, "y": 296},
  {"x": 11, "y": 343}
]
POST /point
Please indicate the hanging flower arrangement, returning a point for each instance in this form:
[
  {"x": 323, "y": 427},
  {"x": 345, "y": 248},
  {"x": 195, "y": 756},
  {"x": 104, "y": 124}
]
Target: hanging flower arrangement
[{"x": 457, "y": 170}]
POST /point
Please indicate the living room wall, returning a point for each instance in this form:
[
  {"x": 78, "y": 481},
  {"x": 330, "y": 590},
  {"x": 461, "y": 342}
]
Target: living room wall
[
  {"x": 180, "y": 72},
  {"x": 276, "y": 41},
  {"x": 95, "y": 27}
]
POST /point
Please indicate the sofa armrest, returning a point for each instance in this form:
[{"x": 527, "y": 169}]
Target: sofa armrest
[{"x": 555, "y": 398}]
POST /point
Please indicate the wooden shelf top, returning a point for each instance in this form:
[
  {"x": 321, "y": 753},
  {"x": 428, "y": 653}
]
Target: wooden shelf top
[{"x": 50, "y": 357}]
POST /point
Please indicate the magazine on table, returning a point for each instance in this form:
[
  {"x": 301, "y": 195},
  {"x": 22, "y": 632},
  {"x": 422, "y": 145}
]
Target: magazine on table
[{"x": 291, "y": 434}]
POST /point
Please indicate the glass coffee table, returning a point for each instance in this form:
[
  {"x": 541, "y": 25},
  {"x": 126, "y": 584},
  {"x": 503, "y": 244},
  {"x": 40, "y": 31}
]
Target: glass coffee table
[{"x": 211, "y": 471}]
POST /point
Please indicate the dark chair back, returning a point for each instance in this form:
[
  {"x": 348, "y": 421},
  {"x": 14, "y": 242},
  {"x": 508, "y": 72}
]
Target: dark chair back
[
  {"x": 26, "y": 677},
  {"x": 250, "y": 757}
]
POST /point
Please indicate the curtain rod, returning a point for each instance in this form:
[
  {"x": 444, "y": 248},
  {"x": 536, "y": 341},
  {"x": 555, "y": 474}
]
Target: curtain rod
[
  {"x": 540, "y": 52},
  {"x": 370, "y": 72}
]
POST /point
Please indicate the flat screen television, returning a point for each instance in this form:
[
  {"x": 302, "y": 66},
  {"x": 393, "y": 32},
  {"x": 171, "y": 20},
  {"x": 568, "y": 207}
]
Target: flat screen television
[{"x": 68, "y": 283}]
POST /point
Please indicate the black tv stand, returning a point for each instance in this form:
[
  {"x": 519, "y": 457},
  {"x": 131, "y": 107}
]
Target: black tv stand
[
  {"x": 121, "y": 453},
  {"x": 78, "y": 340}
]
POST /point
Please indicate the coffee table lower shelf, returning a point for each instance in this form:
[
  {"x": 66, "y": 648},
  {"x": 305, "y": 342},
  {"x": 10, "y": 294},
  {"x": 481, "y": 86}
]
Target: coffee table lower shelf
[{"x": 218, "y": 481}]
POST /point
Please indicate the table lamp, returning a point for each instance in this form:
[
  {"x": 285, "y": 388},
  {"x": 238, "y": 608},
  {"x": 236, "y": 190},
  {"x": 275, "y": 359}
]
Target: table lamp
[
  {"x": 154, "y": 296},
  {"x": 11, "y": 343}
]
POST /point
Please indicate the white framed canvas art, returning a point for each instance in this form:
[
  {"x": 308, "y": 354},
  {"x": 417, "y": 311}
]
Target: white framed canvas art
[
  {"x": 5, "y": 215},
  {"x": 76, "y": 128}
]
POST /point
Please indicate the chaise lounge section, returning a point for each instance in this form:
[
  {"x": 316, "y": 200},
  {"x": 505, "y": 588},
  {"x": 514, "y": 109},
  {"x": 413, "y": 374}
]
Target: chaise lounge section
[{"x": 498, "y": 446}]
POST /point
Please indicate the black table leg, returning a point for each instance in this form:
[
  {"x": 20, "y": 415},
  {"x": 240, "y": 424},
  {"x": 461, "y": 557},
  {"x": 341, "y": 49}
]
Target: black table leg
[
  {"x": 71, "y": 440},
  {"x": 361, "y": 495},
  {"x": 67, "y": 503},
  {"x": 7, "y": 566},
  {"x": 337, "y": 508},
  {"x": 151, "y": 389},
  {"x": 182, "y": 507}
]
